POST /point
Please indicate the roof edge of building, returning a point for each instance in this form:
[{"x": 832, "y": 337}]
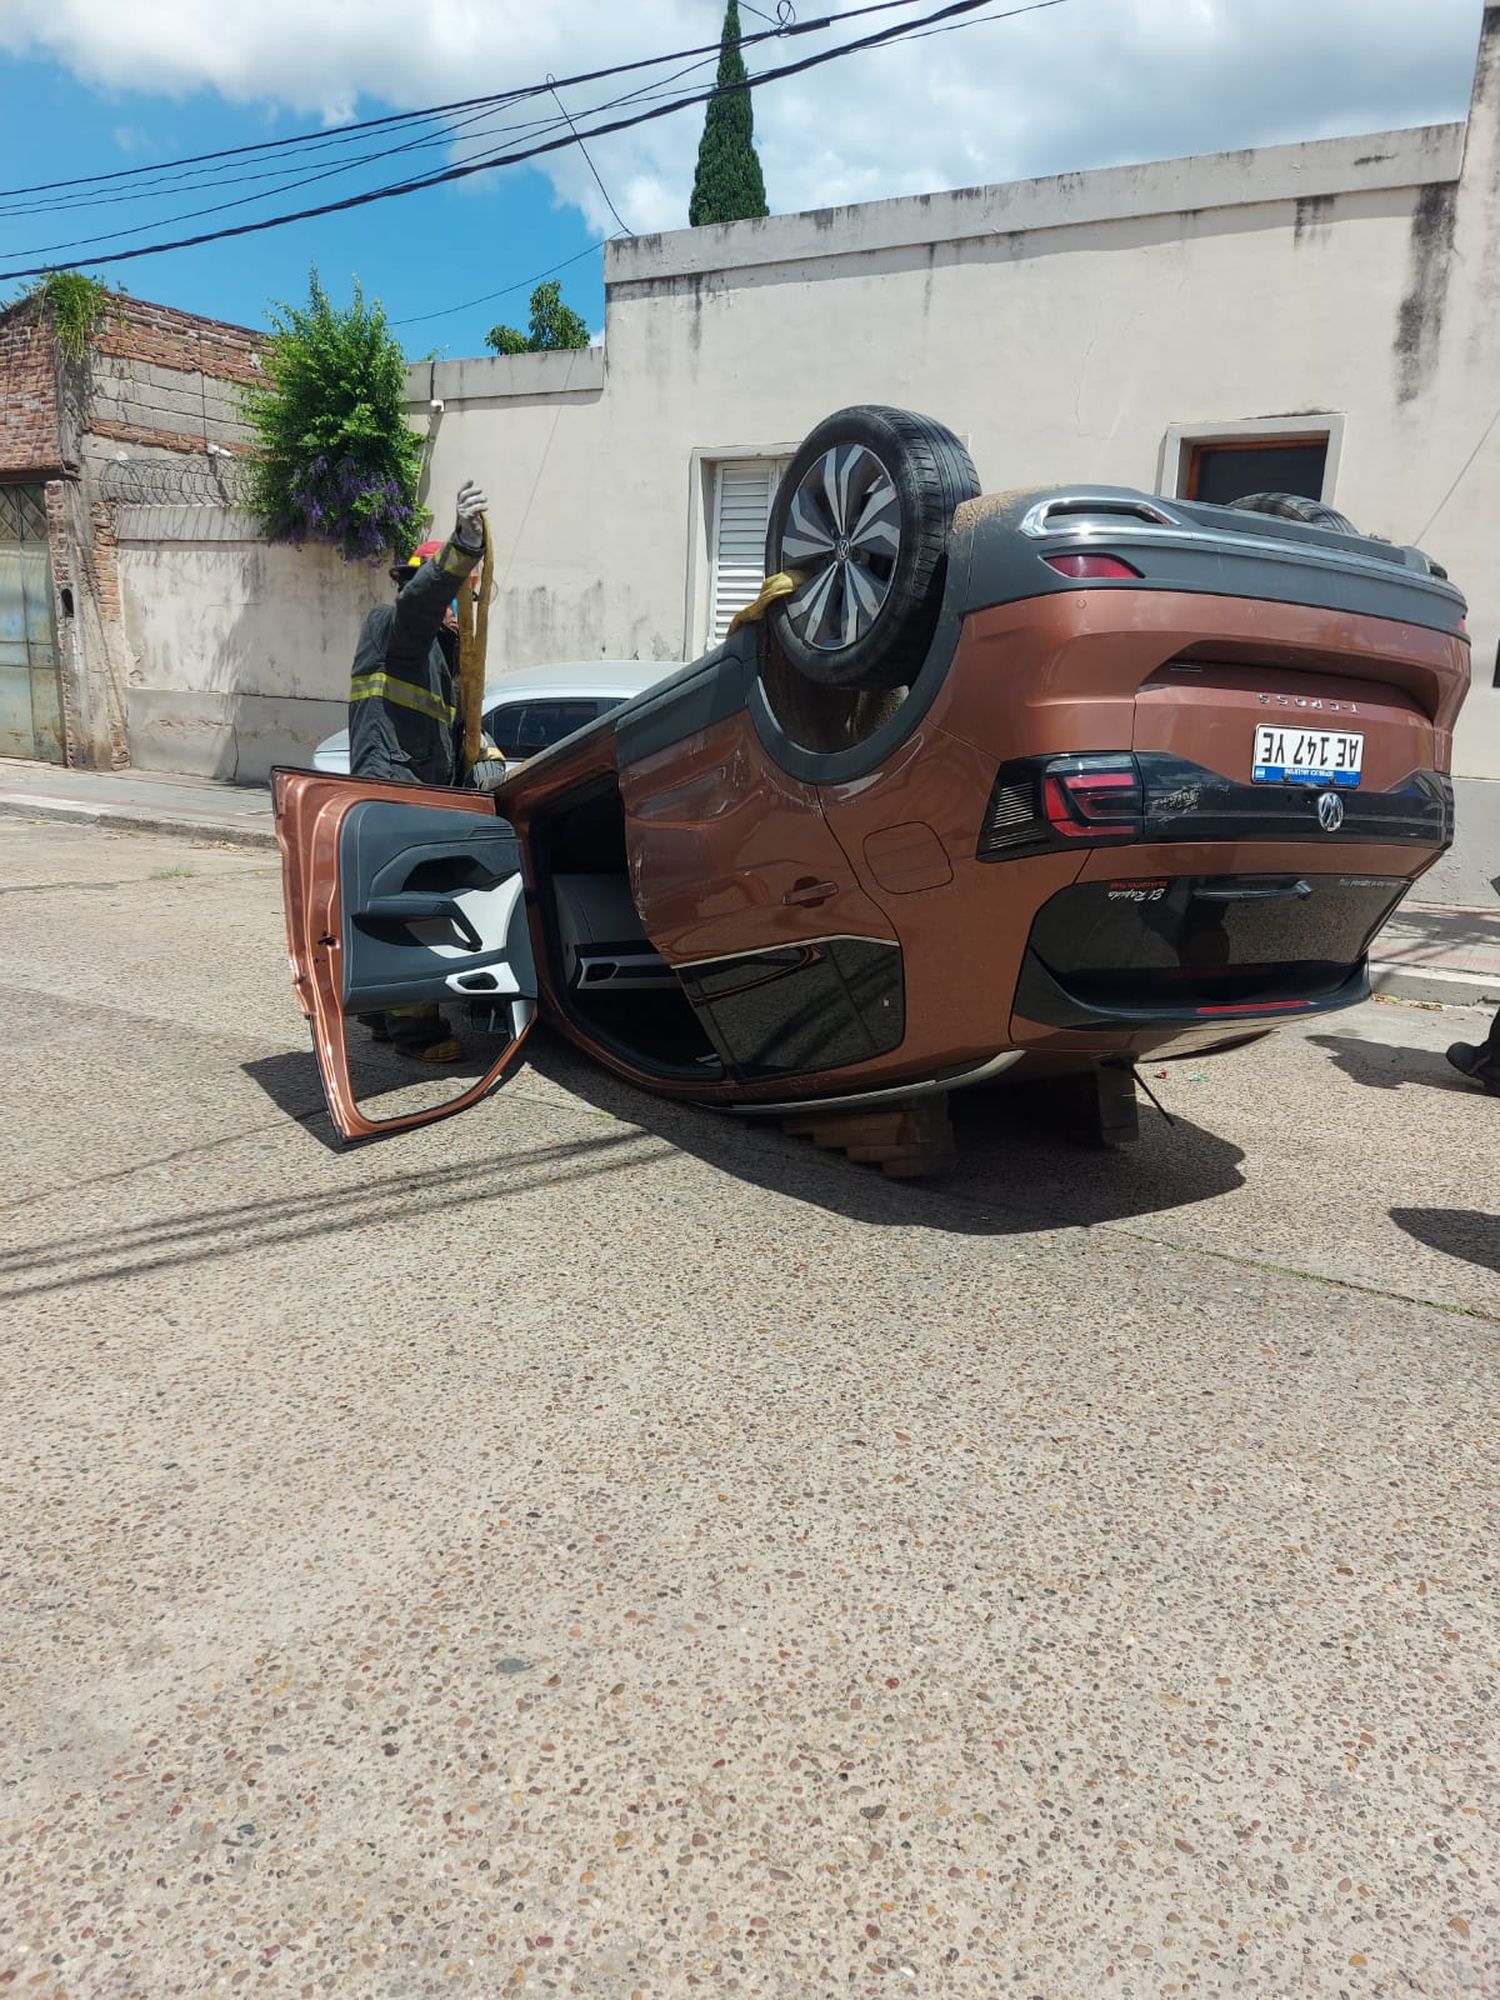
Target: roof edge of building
[{"x": 1312, "y": 169}]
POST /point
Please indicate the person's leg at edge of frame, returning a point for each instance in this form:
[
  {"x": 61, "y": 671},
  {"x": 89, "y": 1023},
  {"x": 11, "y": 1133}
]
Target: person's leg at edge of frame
[{"x": 1480, "y": 1060}]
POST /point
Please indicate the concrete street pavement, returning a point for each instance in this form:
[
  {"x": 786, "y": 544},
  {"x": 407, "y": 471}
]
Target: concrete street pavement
[{"x": 595, "y": 1548}]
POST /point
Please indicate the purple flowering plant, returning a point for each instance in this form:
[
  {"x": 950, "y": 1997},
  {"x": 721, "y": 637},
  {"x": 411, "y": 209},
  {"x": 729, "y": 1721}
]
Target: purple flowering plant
[{"x": 336, "y": 460}]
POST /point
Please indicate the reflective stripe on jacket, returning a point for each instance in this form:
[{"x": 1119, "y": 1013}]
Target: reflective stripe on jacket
[{"x": 406, "y": 694}]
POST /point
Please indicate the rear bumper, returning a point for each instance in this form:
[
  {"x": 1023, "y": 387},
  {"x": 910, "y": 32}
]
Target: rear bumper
[
  {"x": 1122, "y": 954},
  {"x": 1043, "y": 998}
]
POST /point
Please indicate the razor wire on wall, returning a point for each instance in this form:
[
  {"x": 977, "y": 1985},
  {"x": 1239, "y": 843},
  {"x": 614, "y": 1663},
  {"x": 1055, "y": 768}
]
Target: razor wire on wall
[{"x": 176, "y": 482}]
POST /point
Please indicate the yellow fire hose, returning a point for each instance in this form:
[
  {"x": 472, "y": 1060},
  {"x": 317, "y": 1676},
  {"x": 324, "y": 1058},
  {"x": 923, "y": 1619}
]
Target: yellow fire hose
[
  {"x": 782, "y": 584},
  {"x": 473, "y": 644}
]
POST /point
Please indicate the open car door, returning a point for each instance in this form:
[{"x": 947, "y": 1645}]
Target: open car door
[{"x": 394, "y": 897}]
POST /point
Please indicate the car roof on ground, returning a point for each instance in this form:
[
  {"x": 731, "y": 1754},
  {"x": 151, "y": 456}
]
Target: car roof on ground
[{"x": 620, "y": 678}]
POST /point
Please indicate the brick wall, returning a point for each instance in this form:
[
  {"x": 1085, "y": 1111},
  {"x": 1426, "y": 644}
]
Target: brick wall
[
  {"x": 162, "y": 337},
  {"x": 166, "y": 381},
  {"x": 156, "y": 385},
  {"x": 29, "y": 441}
]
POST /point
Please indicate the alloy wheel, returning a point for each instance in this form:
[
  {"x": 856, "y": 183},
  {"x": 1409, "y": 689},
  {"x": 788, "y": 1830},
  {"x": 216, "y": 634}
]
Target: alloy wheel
[{"x": 843, "y": 535}]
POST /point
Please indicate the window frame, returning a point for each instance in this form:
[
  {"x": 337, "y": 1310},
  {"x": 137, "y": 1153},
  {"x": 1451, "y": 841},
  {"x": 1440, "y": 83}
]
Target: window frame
[
  {"x": 1182, "y": 442},
  {"x": 703, "y": 474}
]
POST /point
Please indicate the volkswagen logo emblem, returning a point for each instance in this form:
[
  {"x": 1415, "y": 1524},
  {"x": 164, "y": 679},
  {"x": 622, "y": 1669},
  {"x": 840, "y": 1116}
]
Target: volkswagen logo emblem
[{"x": 1330, "y": 811}]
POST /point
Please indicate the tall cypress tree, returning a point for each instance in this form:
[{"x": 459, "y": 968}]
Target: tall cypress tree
[{"x": 728, "y": 185}]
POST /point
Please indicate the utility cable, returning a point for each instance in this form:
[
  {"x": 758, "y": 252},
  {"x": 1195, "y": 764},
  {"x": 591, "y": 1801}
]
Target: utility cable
[
  {"x": 245, "y": 200},
  {"x": 489, "y": 298},
  {"x": 625, "y": 229},
  {"x": 879, "y": 38},
  {"x": 198, "y": 180},
  {"x": 316, "y": 140},
  {"x": 645, "y": 93}
]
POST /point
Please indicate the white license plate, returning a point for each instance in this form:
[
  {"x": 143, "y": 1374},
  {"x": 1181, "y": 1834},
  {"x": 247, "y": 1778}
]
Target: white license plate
[{"x": 1285, "y": 756}]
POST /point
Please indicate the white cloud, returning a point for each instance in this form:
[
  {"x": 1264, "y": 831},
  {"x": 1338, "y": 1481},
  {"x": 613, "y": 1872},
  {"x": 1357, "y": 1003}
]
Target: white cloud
[{"x": 1084, "y": 84}]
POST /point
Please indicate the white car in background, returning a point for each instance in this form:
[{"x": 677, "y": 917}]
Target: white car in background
[{"x": 535, "y": 707}]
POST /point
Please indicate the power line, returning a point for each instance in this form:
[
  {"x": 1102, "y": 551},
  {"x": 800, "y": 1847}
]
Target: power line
[
  {"x": 317, "y": 140},
  {"x": 286, "y": 186},
  {"x": 200, "y": 179},
  {"x": 459, "y": 172},
  {"x": 443, "y": 137},
  {"x": 197, "y": 179},
  {"x": 488, "y": 298},
  {"x": 608, "y": 202},
  {"x": 645, "y": 92},
  {"x": 446, "y": 137}
]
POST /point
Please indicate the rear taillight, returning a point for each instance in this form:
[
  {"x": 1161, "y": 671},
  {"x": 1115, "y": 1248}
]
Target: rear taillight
[
  {"x": 1091, "y": 568},
  {"x": 1093, "y": 796},
  {"x": 1049, "y": 802}
]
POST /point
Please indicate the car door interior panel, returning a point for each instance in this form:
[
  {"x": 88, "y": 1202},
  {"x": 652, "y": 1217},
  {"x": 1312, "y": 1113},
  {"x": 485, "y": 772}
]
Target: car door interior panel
[{"x": 433, "y": 906}]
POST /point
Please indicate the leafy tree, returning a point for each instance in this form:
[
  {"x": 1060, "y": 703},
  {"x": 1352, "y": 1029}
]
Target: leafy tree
[
  {"x": 553, "y": 325},
  {"x": 728, "y": 185},
  {"x": 336, "y": 460}
]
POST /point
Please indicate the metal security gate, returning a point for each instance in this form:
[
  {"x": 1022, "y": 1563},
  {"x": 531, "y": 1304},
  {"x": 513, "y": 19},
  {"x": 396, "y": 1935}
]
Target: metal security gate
[{"x": 31, "y": 720}]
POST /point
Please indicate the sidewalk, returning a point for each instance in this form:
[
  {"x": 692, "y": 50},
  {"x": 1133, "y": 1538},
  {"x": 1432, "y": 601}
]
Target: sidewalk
[
  {"x": 1431, "y": 952},
  {"x": 138, "y": 801},
  {"x": 1436, "y": 952}
]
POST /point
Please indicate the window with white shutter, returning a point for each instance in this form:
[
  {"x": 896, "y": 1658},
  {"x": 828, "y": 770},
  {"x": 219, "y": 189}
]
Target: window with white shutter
[{"x": 743, "y": 490}]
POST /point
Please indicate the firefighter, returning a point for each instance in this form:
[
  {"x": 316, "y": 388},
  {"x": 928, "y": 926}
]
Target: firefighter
[{"x": 404, "y": 727}]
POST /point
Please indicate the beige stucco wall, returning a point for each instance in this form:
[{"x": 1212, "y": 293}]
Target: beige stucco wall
[
  {"x": 238, "y": 649},
  {"x": 1063, "y": 327}
]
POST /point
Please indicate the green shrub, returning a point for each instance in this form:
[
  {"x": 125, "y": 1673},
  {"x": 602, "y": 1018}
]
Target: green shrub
[
  {"x": 336, "y": 460},
  {"x": 78, "y": 304}
]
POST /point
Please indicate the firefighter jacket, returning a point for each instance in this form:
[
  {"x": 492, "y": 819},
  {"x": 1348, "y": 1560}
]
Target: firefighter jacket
[{"x": 403, "y": 693}]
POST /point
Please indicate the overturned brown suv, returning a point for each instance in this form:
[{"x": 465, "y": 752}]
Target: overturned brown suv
[{"x": 1027, "y": 782}]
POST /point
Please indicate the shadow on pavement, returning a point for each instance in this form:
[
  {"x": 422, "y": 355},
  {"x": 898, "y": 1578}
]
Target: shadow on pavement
[
  {"x": 1381, "y": 1066},
  {"x": 385, "y": 1085},
  {"x": 1012, "y": 1175},
  {"x": 293, "y": 1085},
  {"x": 1457, "y": 1232}
]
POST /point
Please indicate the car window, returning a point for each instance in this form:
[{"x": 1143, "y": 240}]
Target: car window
[{"x": 522, "y": 728}]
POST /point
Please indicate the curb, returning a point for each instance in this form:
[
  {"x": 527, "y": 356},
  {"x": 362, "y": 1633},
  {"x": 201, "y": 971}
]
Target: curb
[
  {"x": 1433, "y": 984},
  {"x": 127, "y": 819}
]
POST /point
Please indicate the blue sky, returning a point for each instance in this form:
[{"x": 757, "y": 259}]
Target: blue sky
[
  {"x": 92, "y": 86},
  {"x": 416, "y": 255}
]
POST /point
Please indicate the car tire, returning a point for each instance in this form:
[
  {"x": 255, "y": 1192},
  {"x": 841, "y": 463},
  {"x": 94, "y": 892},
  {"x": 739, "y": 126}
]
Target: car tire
[
  {"x": 863, "y": 515},
  {"x": 1296, "y": 507}
]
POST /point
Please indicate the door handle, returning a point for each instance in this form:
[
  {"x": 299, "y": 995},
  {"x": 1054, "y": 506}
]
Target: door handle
[
  {"x": 809, "y": 893},
  {"x": 412, "y": 906},
  {"x": 1263, "y": 892}
]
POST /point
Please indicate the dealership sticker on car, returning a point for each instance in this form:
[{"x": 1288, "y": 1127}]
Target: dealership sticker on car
[
  {"x": 1306, "y": 756},
  {"x": 1145, "y": 890}
]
